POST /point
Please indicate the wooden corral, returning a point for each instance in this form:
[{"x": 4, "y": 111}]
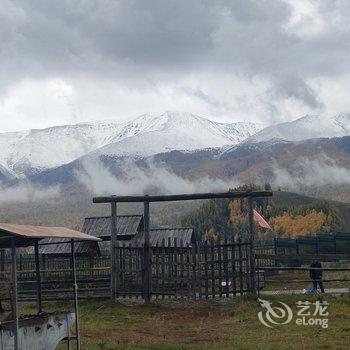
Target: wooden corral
[
  {"x": 178, "y": 270},
  {"x": 147, "y": 248}
]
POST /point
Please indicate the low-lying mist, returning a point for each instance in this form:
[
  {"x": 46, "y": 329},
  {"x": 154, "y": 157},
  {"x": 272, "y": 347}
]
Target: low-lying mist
[
  {"x": 27, "y": 192},
  {"x": 306, "y": 173},
  {"x": 154, "y": 178}
]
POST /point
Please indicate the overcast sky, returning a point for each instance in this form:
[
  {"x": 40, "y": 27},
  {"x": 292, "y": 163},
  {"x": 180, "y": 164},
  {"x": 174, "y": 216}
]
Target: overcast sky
[{"x": 265, "y": 60}]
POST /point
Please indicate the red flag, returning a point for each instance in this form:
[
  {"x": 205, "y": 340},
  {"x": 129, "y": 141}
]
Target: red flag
[{"x": 260, "y": 220}]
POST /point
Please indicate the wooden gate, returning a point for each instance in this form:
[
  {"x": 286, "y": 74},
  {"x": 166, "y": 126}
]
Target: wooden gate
[{"x": 212, "y": 270}]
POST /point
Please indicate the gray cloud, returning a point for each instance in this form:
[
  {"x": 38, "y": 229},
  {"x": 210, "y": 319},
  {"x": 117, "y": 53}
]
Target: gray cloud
[{"x": 193, "y": 46}]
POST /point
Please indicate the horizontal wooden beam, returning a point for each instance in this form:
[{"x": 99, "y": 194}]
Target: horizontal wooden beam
[{"x": 182, "y": 197}]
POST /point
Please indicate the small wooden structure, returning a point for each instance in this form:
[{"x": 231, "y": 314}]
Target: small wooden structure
[
  {"x": 128, "y": 226},
  {"x": 14, "y": 236},
  {"x": 97, "y": 226},
  {"x": 130, "y": 229}
]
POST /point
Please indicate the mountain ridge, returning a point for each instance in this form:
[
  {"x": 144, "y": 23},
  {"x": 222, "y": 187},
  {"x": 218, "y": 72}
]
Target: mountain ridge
[
  {"x": 306, "y": 127},
  {"x": 29, "y": 152}
]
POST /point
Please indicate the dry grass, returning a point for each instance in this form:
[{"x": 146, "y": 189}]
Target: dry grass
[{"x": 230, "y": 324}]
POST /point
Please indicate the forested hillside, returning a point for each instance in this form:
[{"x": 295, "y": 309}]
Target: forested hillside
[{"x": 288, "y": 214}]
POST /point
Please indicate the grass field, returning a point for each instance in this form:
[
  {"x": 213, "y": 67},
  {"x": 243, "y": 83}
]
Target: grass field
[{"x": 230, "y": 324}]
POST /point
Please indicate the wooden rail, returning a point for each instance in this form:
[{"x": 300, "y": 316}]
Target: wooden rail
[
  {"x": 303, "y": 257},
  {"x": 181, "y": 197}
]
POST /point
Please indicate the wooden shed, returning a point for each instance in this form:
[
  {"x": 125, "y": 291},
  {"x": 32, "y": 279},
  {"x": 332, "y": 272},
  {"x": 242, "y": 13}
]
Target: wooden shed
[
  {"x": 127, "y": 227},
  {"x": 100, "y": 226}
]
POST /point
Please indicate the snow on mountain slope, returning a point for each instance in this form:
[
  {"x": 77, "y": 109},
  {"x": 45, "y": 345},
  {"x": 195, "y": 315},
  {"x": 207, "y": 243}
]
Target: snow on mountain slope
[
  {"x": 27, "y": 152},
  {"x": 307, "y": 127},
  {"x": 176, "y": 131},
  {"x": 35, "y": 150}
]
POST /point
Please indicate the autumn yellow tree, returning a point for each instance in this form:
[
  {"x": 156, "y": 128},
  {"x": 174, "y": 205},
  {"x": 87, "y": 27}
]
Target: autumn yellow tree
[{"x": 290, "y": 226}]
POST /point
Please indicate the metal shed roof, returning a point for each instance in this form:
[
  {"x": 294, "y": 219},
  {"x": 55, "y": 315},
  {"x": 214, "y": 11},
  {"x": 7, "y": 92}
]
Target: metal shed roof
[{"x": 27, "y": 234}]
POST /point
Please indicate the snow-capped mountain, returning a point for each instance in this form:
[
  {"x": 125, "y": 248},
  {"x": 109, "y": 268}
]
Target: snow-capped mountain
[
  {"x": 307, "y": 127},
  {"x": 32, "y": 151},
  {"x": 156, "y": 133}
]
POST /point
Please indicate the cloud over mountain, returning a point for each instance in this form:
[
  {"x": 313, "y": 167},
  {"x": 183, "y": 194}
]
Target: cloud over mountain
[{"x": 64, "y": 62}]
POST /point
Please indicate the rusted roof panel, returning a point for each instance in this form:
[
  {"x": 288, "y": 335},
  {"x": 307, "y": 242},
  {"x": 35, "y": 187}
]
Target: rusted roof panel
[
  {"x": 28, "y": 234},
  {"x": 28, "y": 231}
]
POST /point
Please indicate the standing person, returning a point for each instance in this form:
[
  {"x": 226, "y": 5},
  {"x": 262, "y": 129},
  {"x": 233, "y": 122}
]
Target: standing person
[{"x": 316, "y": 275}]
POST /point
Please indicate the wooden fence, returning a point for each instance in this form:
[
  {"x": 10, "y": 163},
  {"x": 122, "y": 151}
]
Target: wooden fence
[
  {"x": 177, "y": 271},
  {"x": 93, "y": 277},
  {"x": 323, "y": 247},
  {"x": 212, "y": 270},
  {"x": 325, "y": 243}
]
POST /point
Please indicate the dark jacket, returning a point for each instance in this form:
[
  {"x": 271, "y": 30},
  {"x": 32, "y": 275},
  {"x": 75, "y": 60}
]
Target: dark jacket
[{"x": 316, "y": 274}]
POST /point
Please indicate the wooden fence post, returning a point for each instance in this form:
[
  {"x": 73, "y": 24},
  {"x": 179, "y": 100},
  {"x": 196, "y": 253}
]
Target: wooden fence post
[
  {"x": 297, "y": 245},
  {"x": 2, "y": 260},
  {"x": 194, "y": 272},
  {"x": 212, "y": 266},
  {"x": 175, "y": 264},
  {"x": 163, "y": 268},
  {"x": 113, "y": 244},
  {"x": 147, "y": 255},
  {"x": 38, "y": 277},
  {"x": 206, "y": 282},
  {"x": 251, "y": 246},
  {"x": 240, "y": 262}
]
